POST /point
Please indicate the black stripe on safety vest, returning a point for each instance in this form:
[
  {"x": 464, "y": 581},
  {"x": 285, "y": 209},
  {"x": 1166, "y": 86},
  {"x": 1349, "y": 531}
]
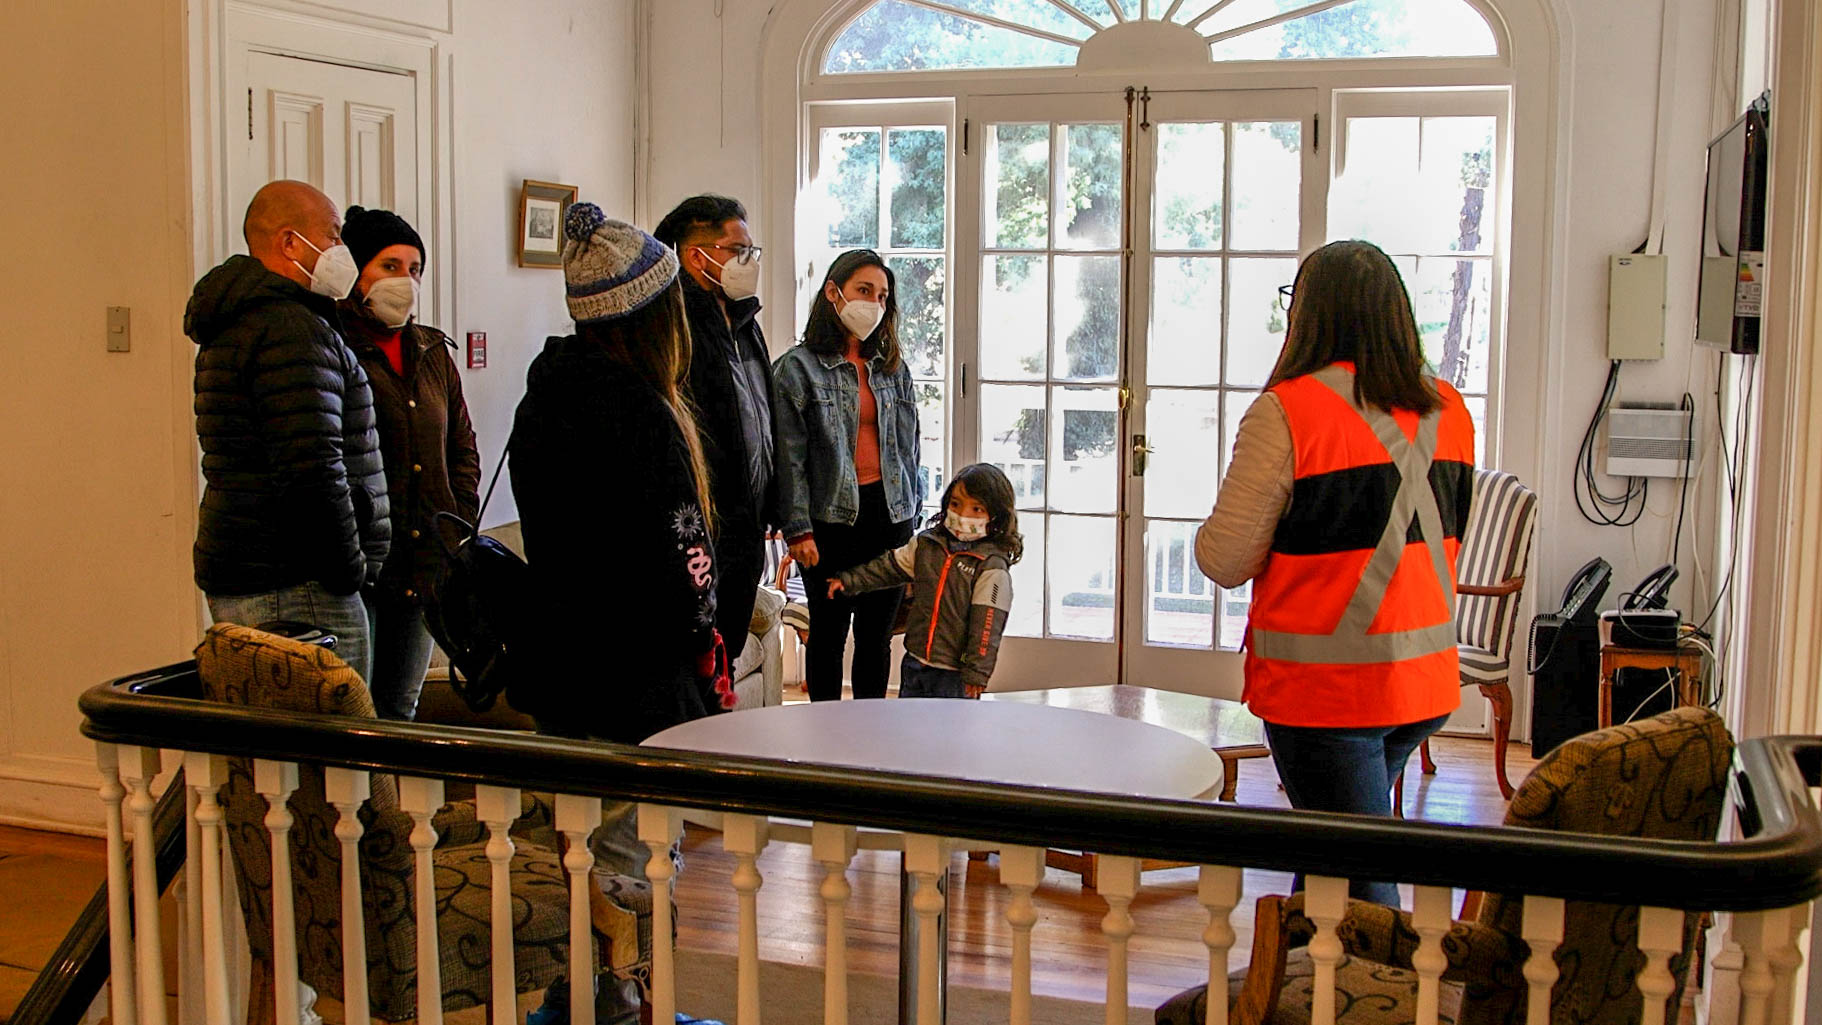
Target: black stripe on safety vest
[{"x": 1346, "y": 510}]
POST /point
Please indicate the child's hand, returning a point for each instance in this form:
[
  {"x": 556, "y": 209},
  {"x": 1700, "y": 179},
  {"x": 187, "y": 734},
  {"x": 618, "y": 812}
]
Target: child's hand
[
  {"x": 835, "y": 588},
  {"x": 974, "y": 690}
]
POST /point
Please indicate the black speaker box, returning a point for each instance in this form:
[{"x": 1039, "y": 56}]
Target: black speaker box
[{"x": 1565, "y": 696}]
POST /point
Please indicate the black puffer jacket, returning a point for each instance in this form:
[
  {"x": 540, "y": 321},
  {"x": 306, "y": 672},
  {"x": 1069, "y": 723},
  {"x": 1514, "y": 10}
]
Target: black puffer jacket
[{"x": 294, "y": 490}]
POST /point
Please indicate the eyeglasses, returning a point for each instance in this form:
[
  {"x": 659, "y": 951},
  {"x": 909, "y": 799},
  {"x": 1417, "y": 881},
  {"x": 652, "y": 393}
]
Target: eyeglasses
[
  {"x": 1284, "y": 296},
  {"x": 742, "y": 254}
]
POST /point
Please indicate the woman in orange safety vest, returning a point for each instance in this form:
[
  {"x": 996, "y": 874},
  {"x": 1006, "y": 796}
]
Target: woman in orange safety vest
[{"x": 1344, "y": 506}]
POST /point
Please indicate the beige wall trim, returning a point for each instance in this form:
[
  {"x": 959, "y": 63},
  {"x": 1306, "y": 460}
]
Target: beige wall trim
[{"x": 56, "y": 794}]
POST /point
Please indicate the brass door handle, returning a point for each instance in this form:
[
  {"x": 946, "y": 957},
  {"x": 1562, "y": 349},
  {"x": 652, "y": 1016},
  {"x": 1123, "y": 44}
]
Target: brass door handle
[{"x": 1141, "y": 454}]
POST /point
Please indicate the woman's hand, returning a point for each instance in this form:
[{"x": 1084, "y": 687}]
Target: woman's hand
[
  {"x": 974, "y": 690},
  {"x": 835, "y": 587},
  {"x": 804, "y": 552}
]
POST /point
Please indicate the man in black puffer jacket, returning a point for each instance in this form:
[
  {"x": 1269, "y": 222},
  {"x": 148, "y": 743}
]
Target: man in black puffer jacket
[{"x": 294, "y": 513}]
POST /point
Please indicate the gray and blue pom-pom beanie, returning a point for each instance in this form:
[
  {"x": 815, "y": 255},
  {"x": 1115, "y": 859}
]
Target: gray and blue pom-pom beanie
[{"x": 611, "y": 268}]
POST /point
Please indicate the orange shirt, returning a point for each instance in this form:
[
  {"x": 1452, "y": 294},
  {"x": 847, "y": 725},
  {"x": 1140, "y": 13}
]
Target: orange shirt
[{"x": 866, "y": 445}]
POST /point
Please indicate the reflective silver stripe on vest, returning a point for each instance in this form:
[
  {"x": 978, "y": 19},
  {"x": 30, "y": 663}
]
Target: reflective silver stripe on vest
[{"x": 1350, "y": 644}]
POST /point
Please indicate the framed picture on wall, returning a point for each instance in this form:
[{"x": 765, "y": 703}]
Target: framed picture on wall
[{"x": 541, "y": 209}]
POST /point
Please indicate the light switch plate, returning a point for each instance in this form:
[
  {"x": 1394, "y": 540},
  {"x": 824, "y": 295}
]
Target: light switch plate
[{"x": 120, "y": 329}]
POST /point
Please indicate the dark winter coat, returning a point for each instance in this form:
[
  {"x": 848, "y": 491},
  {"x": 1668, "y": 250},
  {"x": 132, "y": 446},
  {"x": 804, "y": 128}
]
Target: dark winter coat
[
  {"x": 294, "y": 490},
  {"x": 432, "y": 465},
  {"x": 621, "y": 563},
  {"x": 737, "y": 447}
]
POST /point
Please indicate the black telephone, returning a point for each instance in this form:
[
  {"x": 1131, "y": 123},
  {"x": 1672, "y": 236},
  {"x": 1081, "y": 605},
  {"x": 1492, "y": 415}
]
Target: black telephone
[
  {"x": 1653, "y": 592},
  {"x": 1580, "y": 600}
]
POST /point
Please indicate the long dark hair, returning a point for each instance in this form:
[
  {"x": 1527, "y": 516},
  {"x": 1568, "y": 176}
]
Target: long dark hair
[
  {"x": 987, "y": 484},
  {"x": 1349, "y": 303},
  {"x": 654, "y": 342},
  {"x": 824, "y": 334}
]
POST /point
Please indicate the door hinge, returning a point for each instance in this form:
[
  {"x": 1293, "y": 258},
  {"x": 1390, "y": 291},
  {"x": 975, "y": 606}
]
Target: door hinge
[
  {"x": 249, "y": 113},
  {"x": 1145, "y": 109},
  {"x": 965, "y": 127}
]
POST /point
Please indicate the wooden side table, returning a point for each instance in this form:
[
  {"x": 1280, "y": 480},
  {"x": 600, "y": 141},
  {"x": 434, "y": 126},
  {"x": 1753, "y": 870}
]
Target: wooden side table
[{"x": 1685, "y": 660}]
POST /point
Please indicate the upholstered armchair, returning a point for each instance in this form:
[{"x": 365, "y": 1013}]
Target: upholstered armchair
[
  {"x": 242, "y": 666},
  {"x": 1664, "y": 778}
]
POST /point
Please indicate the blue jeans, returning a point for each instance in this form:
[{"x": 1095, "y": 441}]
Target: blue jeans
[
  {"x": 344, "y": 615},
  {"x": 401, "y": 654},
  {"x": 1348, "y": 770},
  {"x": 917, "y": 680}
]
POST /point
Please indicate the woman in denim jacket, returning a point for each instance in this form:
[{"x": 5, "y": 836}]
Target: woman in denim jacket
[{"x": 845, "y": 421}]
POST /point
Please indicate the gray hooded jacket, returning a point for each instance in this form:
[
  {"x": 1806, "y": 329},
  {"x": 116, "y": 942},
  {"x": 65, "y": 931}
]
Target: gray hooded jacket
[{"x": 963, "y": 593}]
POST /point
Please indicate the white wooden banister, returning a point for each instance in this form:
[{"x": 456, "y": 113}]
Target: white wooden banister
[
  {"x": 1757, "y": 931},
  {"x": 1430, "y": 917},
  {"x": 658, "y": 827},
  {"x": 1542, "y": 929},
  {"x": 926, "y": 858},
  {"x": 1218, "y": 890},
  {"x": 744, "y": 836},
  {"x": 276, "y": 781},
  {"x": 1786, "y": 957},
  {"x": 1021, "y": 870},
  {"x": 577, "y": 817},
  {"x": 1660, "y": 938},
  {"x": 832, "y": 845},
  {"x": 187, "y": 889},
  {"x": 1325, "y": 902},
  {"x": 498, "y": 807},
  {"x": 138, "y": 768},
  {"x": 420, "y": 798},
  {"x": 346, "y": 790},
  {"x": 206, "y": 774},
  {"x": 121, "y": 1002},
  {"x": 1118, "y": 882}
]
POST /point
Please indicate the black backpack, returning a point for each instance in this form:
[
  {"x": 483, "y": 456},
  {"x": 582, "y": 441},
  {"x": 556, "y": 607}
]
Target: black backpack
[{"x": 476, "y": 608}]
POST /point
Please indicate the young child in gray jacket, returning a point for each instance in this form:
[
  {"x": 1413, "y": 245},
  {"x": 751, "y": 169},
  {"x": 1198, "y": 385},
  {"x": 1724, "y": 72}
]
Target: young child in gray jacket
[{"x": 959, "y": 570}]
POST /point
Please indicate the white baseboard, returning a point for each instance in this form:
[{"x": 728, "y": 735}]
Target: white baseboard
[{"x": 59, "y": 794}]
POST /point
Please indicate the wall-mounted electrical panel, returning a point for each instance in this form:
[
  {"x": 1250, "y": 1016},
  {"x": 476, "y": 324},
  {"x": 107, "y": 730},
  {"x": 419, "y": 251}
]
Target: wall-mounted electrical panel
[{"x": 1635, "y": 306}]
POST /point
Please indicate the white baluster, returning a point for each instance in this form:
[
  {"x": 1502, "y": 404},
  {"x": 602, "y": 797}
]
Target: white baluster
[
  {"x": 1218, "y": 890},
  {"x": 498, "y": 807},
  {"x": 658, "y": 828},
  {"x": 1542, "y": 930},
  {"x": 1021, "y": 870},
  {"x": 206, "y": 773},
  {"x": 1757, "y": 931},
  {"x": 1660, "y": 937},
  {"x": 121, "y": 1002},
  {"x": 926, "y": 858},
  {"x": 744, "y": 836},
  {"x": 421, "y": 799},
  {"x": 832, "y": 846},
  {"x": 276, "y": 781},
  {"x": 138, "y": 767},
  {"x": 187, "y": 892},
  {"x": 1430, "y": 917},
  {"x": 1785, "y": 957},
  {"x": 346, "y": 790},
  {"x": 1325, "y": 902},
  {"x": 577, "y": 817},
  {"x": 1118, "y": 881}
]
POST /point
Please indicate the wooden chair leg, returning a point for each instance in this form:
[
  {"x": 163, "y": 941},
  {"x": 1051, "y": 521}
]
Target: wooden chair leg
[
  {"x": 1398, "y": 796},
  {"x": 1500, "y": 694},
  {"x": 1429, "y": 764}
]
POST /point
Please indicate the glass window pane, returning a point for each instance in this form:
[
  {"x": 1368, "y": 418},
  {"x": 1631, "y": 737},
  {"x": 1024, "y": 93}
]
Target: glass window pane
[
  {"x": 1040, "y": 14},
  {"x": 1013, "y": 434},
  {"x": 930, "y": 420},
  {"x": 1014, "y": 318},
  {"x": 849, "y": 183},
  {"x": 1089, "y": 187},
  {"x": 1477, "y": 409},
  {"x": 1364, "y": 28},
  {"x": 896, "y": 36},
  {"x": 915, "y": 174},
  {"x": 1081, "y": 566},
  {"x": 1371, "y": 199},
  {"x": 1234, "y": 605},
  {"x": 1084, "y": 460},
  {"x": 920, "y": 312},
  {"x": 1268, "y": 184},
  {"x": 1184, "y": 427},
  {"x": 1087, "y": 318},
  {"x": 1027, "y": 616},
  {"x": 1255, "y": 318},
  {"x": 1186, "y": 203},
  {"x": 1179, "y": 600},
  {"x": 1018, "y": 170},
  {"x": 1417, "y": 185},
  {"x": 1457, "y": 164},
  {"x": 1452, "y": 299},
  {"x": 1185, "y": 343},
  {"x": 1237, "y": 403}
]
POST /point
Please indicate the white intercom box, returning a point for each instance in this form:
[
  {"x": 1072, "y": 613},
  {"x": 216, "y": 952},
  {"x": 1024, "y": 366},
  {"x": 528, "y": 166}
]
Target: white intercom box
[{"x": 1636, "y": 289}]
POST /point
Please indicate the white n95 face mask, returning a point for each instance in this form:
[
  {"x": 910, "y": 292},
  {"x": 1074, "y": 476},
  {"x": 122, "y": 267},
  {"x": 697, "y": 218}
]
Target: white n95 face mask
[
  {"x": 335, "y": 272},
  {"x": 966, "y": 528},
  {"x": 862, "y": 317},
  {"x": 393, "y": 300},
  {"x": 738, "y": 280}
]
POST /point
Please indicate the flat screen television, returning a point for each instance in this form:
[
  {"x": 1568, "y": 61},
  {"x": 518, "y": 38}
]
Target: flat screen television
[{"x": 1733, "y": 234}]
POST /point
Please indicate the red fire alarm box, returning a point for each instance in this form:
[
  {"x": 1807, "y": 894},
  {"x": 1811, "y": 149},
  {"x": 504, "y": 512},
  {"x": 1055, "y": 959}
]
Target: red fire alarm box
[{"x": 477, "y": 350}]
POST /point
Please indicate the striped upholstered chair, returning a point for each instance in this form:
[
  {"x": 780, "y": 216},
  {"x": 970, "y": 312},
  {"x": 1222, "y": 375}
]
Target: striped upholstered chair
[{"x": 1490, "y": 581}]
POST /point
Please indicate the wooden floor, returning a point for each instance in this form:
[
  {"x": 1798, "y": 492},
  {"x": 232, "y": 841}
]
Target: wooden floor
[{"x": 47, "y": 878}]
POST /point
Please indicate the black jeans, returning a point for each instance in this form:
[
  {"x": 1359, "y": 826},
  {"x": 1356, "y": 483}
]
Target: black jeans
[
  {"x": 1346, "y": 769},
  {"x": 843, "y": 546}
]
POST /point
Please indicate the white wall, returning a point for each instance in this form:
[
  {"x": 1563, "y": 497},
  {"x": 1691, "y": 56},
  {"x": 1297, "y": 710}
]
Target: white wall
[{"x": 99, "y": 448}]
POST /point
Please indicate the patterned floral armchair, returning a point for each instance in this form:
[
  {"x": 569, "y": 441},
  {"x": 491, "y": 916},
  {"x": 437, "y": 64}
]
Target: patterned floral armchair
[
  {"x": 1664, "y": 778},
  {"x": 238, "y": 665}
]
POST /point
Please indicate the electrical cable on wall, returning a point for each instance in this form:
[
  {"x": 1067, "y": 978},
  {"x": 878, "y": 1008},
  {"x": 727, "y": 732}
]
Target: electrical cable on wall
[
  {"x": 1676, "y": 539},
  {"x": 1595, "y": 505}
]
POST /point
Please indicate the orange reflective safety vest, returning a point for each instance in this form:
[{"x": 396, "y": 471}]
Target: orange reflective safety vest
[{"x": 1353, "y": 619}]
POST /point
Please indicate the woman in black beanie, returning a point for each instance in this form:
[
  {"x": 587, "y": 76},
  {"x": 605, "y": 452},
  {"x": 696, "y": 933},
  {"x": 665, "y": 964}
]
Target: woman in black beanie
[{"x": 426, "y": 439}]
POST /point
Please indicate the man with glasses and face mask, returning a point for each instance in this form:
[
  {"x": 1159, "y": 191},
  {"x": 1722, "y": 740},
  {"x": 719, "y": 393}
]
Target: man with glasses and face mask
[
  {"x": 294, "y": 520},
  {"x": 731, "y": 385}
]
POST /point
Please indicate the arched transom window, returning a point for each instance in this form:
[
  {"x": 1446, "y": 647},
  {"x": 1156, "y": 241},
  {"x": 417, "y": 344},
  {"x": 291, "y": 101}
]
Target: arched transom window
[{"x": 949, "y": 35}]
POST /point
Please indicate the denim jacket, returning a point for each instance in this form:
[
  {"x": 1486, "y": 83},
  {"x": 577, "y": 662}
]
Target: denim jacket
[{"x": 815, "y": 420}]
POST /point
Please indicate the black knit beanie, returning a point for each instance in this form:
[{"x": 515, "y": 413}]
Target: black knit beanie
[{"x": 366, "y": 232}]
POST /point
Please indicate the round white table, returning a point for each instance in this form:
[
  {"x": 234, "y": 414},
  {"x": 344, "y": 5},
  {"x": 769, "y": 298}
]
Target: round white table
[{"x": 988, "y": 741}]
